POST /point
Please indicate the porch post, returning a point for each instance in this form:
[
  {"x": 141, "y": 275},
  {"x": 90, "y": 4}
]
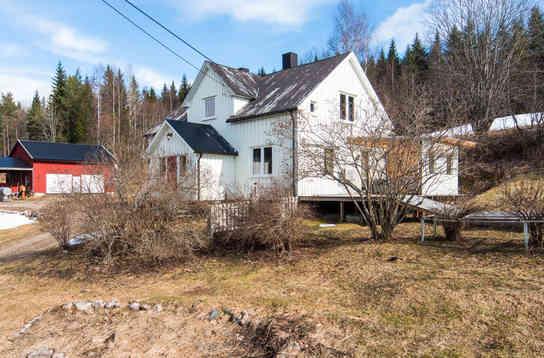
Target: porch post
[
  {"x": 342, "y": 211},
  {"x": 526, "y": 235},
  {"x": 422, "y": 228}
]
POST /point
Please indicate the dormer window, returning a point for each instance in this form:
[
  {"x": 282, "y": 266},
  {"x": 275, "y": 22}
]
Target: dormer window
[{"x": 209, "y": 107}]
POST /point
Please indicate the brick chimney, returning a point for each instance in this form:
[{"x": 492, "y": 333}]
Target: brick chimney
[{"x": 289, "y": 60}]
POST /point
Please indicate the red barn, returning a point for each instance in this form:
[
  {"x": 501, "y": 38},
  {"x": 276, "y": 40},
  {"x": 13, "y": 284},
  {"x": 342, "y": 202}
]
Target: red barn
[{"x": 55, "y": 168}]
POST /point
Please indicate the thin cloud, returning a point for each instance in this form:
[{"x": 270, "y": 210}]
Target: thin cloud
[
  {"x": 24, "y": 83},
  {"x": 283, "y": 12},
  {"x": 402, "y": 26}
]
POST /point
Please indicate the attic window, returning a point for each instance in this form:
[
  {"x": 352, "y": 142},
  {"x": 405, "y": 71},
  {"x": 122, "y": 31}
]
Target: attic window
[
  {"x": 347, "y": 107},
  {"x": 312, "y": 106},
  {"x": 209, "y": 107}
]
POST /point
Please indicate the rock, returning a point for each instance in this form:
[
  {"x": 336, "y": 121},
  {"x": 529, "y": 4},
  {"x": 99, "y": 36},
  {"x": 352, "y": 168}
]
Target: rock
[
  {"x": 68, "y": 306},
  {"x": 392, "y": 259},
  {"x": 213, "y": 315},
  {"x": 145, "y": 307},
  {"x": 84, "y": 306},
  {"x": 112, "y": 304},
  {"x": 245, "y": 319},
  {"x": 59, "y": 355},
  {"x": 42, "y": 352},
  {"x": 293, "y": 349},
  {"x": 134, "y": 306},
  {"x": 157, "y": 307},
  {"x": 29, "y": 325},
  {"x": 99, "y": 304}
]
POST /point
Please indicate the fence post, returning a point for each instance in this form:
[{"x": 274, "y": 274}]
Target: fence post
[
  {"x": 526, "y": 235},
  {"x": 422, "y": 228}
]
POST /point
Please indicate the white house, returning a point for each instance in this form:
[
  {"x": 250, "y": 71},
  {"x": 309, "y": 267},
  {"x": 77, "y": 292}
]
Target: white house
[{"x": 232, "y": 132}]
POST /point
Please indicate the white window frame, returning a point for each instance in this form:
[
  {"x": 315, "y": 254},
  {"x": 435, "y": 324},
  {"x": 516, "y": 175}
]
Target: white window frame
[
  {"x": 207, "y": 100},
  {"x": 261, "y": 162},
  {"x": 347, "y": 97}
]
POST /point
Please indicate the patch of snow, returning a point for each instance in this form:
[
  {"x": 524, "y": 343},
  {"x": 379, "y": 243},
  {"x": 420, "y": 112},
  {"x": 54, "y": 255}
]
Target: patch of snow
[{"x": 13, "y": 220}]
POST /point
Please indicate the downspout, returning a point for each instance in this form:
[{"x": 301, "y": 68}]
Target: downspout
[
  {"x": 295, "y": 156},
  {"x": 198, "y": 177}
]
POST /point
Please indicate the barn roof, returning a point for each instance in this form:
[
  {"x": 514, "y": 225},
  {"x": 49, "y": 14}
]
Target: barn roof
[
  {"x": 65, "y": 152},
  {"x": 277, "y": 92},
  {"x": 10, "y": 163},
  {"x": 203, "y": 138}
]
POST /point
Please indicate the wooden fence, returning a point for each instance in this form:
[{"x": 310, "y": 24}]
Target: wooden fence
[{"x": 225, "y": 217}]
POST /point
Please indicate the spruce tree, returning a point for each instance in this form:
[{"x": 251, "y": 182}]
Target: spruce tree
[
  {"x": 183, "y": 88},
  {"x": 34, "y": 119},
  {"x": 58, "y": 98}
]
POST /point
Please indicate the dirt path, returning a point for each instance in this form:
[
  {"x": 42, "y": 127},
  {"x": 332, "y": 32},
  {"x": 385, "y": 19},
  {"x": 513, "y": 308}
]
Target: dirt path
[{"x": 26, "y": 246}]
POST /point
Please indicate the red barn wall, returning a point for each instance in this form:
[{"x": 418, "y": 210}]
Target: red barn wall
[
  {"x": 41, "y": 169},
  {"x": 19, "y": 153}
]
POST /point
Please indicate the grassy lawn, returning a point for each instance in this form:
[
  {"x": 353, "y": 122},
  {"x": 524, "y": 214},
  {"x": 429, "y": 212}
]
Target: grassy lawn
[{"x": 481, "y": 297}]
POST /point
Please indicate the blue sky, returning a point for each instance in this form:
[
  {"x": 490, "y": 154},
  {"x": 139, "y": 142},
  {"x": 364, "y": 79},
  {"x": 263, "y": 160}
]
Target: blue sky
[{"x": 250, "y": 33}]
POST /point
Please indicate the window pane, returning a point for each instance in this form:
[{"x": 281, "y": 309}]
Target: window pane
[
  {"x": 256, "y": 161},
  {"x": 209, "y": 107},
  {"x": 342, "y": 106},
  {"x": 351, "y": 109},
  {"x": 449, "y": 165},
  {"x": 268, "y": 160}
]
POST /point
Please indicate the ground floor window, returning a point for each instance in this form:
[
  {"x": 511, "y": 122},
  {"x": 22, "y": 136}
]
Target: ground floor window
[{"x": 262, "y": 161}]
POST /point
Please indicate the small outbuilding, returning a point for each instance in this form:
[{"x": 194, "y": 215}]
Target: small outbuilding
[{"x": 56, "y": 168}]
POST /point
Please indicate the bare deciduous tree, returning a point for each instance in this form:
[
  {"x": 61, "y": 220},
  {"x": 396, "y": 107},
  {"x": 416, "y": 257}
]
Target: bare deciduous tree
[
  {"x": 484, "y": 44},
  {"x": 351, "y": 32},
  {"x": 379, "y": 171}
]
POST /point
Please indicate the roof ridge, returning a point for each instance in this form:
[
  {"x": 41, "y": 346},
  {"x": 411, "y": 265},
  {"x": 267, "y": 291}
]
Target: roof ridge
[
  {"x": 308, "y": 63},
  {"x": 45, "y": 142},
  {"x": 287, "y": 69}
]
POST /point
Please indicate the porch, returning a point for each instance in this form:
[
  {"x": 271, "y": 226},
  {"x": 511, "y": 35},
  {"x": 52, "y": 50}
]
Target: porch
[{"x": 16, "y": 175}]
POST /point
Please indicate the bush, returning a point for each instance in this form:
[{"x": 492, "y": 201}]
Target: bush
[
  {"x": 264, "y": 223},
  {"x": 58, "y": 219}
]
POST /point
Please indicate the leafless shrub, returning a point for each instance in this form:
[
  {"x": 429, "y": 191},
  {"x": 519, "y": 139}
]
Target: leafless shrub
[
  {"x": 265, "y": 222},
  {"x": 525, "y": 198},
  {"x": 57, "y": 218}
]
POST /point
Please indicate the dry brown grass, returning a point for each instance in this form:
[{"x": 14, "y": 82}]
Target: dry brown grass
[
  {"x": 14, "y": 235},
  {"x": 482, "y": 297}
]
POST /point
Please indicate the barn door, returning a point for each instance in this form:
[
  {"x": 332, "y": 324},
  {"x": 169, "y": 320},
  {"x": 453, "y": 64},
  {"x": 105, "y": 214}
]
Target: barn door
[{"x": 172, "y": 173}]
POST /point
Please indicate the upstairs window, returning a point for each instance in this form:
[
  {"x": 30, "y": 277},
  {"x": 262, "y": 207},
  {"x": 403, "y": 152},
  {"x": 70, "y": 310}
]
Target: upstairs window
[
  {"x": 347, "y": 107},
  {"x": 262, "y": 162},
  {"x": 312, "y": 106},
  {"x": 342, "y": 106},
  {"x": 209, "y": 107}
]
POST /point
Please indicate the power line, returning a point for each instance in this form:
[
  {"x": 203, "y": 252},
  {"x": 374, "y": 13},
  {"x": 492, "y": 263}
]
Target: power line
[
  {"x": 149, "y": 35},
  {"x": 168, "y": 30},
  {"x": 200, "y": 70}
]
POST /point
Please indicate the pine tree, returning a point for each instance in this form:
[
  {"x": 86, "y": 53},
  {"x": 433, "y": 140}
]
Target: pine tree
[
  {"x": 173, "y": 97},
  {"x": 261, "y": 72},
  {"x": 535, "y": 34},
  {"x": 133, "y": 100},
  {"x": 35, "y": 118},
  {"x": 393, "y": 67},
  {"x": 58, "y": 98},
  {"x": 183, "y": 88}
]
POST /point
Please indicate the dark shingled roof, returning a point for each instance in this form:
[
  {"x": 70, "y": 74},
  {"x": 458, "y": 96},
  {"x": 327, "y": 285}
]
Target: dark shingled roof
[
  {"x": 14, "y": 163},
  {"x": 240, "y": 81},
  {"x": 65, "y": 152},
  {"x": 279, "y": 91},
  {"x": 203, "y": 138}
]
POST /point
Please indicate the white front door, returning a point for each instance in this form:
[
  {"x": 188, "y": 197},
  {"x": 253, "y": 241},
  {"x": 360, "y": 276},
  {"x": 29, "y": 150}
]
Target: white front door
[{"x": 58, "y": 183}]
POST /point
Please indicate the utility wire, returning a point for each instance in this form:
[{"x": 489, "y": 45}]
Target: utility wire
[
  {"x": 168, "y": 30},
  {"x": 150, "y": 35},
  {"x": 200, "y": 70}
]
